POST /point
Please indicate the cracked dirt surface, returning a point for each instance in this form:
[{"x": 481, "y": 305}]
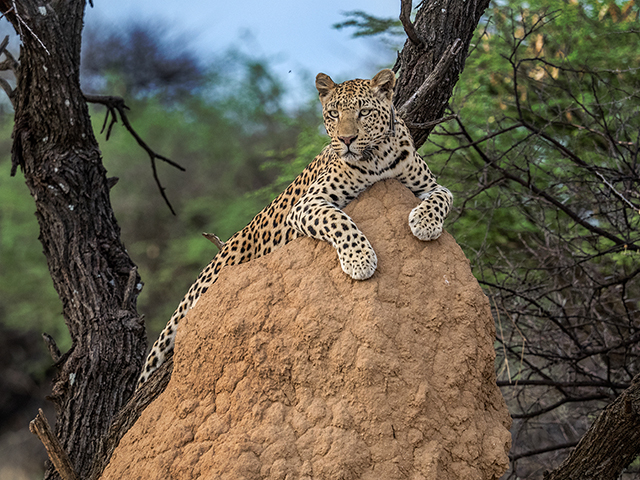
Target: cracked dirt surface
[{"x": 289, "y": 369}]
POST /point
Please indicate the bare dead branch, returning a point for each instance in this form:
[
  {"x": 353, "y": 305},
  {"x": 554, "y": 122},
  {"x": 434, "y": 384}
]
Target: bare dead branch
[
  {"x": 116, "y": 104},
  {"x": 39, "y": 426},
  {"x": 549, "y": 408},
  {"x": 407, "y": 24},
  {"x": 213, "y": 238},
  {"x": 8, "y": 90},
  {"x": 9, "y": 63},
  {"x": 538, "y": 451},
  {"x": 554, "y": 383}
]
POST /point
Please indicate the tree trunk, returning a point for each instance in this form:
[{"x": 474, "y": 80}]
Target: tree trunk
[
  {"x": 98, "y": 284},
  {"x": 430, "y": 69}
]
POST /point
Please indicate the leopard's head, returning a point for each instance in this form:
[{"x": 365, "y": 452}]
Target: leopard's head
[{"x": 358, "y": 114}]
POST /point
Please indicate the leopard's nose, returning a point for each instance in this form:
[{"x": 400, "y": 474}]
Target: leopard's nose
[{"x": 348, "y": 140}]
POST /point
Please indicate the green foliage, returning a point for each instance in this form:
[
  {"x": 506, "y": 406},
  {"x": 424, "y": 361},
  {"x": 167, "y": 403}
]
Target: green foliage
[
  {"x": 565, "y": 68},
  {"x": 366, "y": 25}
]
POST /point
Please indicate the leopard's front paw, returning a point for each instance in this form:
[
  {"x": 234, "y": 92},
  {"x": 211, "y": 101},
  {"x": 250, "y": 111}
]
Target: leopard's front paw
[
  {"x": 358, "y": 262},
  {"x": 425, "y": 223}
]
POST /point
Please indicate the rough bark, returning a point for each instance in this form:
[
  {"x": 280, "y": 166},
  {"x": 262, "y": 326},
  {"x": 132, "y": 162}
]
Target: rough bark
[
  {"x": 97, "y": 282},
  {"x": 610, "y": 445},
  {"x": 431, "y": 68}
]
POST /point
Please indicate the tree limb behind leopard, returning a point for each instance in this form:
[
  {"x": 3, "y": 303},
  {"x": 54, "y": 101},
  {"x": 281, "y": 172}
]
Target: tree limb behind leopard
[{"x": 368, "y": 144}]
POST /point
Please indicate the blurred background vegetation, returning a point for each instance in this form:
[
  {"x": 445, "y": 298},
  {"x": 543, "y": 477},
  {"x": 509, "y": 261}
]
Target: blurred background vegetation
[{"x": 548, "y": 69}]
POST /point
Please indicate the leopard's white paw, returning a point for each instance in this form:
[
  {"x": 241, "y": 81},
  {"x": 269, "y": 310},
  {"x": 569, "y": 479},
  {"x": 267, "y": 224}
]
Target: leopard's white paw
[
  {"x": 425, "y": 224},
  {"x": 358, "y": 262}
]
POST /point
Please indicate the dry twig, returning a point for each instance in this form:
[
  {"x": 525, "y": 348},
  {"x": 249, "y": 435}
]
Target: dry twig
[
  {"x": 39, "y": 426},
  {"x": 116, "y": 105},
  {"x": 52, "y": 346},
  {"x": 213, "y": 238}
]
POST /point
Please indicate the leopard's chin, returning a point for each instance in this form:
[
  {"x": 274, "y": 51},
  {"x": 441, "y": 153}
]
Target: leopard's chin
[{"x": 351, "y": 157}]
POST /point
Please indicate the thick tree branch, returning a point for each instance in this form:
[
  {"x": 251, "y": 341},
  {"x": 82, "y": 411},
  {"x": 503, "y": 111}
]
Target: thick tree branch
[
  {"x": 432, "y": 82},
  {"x": 610, "y": 445},
  {"x": 407, "y": 24},
  {"x": 427, "y": 76},
  {"x": 55, "y": 147}
]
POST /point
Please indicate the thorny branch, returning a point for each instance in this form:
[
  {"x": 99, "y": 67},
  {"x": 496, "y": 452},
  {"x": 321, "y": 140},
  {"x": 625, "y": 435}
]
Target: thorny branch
[{"x": 116, "y": 105}]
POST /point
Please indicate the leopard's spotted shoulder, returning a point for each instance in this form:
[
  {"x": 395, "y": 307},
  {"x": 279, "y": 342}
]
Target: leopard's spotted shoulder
[{"x": 368, "y": 144}]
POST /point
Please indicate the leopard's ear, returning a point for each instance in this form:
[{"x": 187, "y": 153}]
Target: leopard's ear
[
  {"x": 382, "y": 84},
  {"x": 325, "y": 85}
]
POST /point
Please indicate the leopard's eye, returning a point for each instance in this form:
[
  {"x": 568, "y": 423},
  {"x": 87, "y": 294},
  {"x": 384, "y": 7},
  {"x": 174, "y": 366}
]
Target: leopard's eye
[
  {"x": 334, "y": 113},
  {"x": 364, "y": 112}
]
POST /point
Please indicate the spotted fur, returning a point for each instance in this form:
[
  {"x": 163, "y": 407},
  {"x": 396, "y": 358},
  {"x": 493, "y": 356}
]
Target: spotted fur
[{"x": 368, "y": 144}]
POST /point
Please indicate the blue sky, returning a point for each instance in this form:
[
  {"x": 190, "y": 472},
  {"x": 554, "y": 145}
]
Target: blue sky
[{"x": 295, "y": 35}]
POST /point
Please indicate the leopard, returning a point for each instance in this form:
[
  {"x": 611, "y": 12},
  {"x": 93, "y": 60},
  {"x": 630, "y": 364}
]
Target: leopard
[{"x": 368, "y": 143}]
